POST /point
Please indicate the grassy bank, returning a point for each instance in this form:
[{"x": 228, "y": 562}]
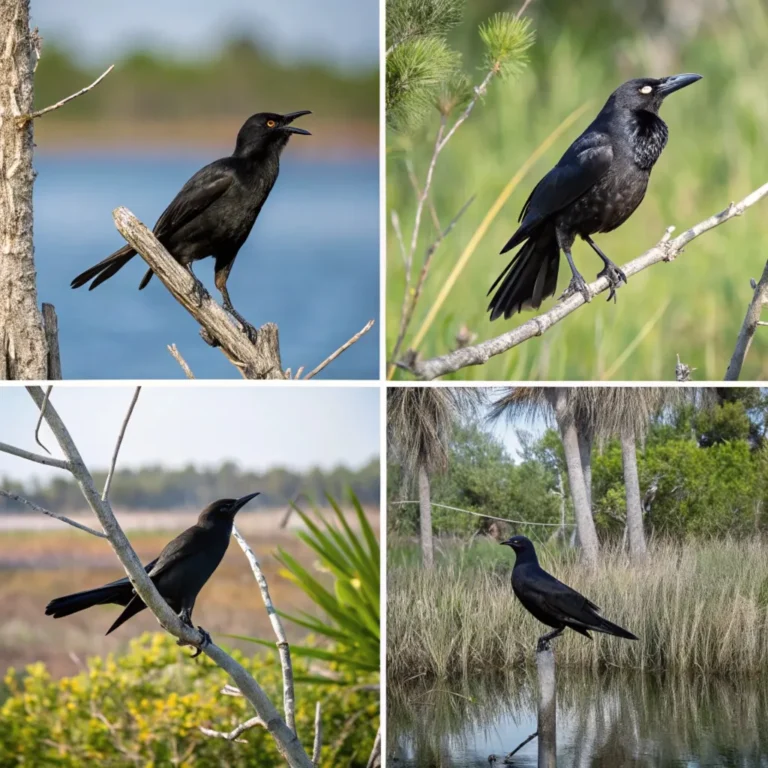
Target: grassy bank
[{"x": 699, "y": 607}]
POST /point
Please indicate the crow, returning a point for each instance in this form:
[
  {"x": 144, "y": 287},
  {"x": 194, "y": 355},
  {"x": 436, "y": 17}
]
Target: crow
[
  {"x": 215, "y": 210},
  {"x": 595, "y": 187},
  {"x": 179, "y": 573},
  {"x": 551, "y": 601}
]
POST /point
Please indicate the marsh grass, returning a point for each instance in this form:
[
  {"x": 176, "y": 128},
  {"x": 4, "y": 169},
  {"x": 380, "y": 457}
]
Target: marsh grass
[
  {"x": 693, "y": 306},
  {"x": 699, "y": 607}
]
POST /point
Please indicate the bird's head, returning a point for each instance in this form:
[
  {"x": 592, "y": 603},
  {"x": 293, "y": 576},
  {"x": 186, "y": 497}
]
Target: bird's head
[
  {"x": 224, "y": 509},
  {"x": 647, "y": 93},
  {"x": 268, "y": 129},
  {"x": 521, "y": 545}
]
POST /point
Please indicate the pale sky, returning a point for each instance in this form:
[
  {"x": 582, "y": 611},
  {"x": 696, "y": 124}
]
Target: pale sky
[
  {"x": 507, "y": 432},
  {"x": 343, "y": 32},
  {"x": 257, "y": 427}
]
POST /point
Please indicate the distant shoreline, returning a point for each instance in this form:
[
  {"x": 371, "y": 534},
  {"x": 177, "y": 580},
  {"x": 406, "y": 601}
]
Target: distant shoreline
[{"x": 355, "y": 139}]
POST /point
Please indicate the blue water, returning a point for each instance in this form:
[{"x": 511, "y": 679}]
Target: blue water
[{"x": 311, "y": 265}]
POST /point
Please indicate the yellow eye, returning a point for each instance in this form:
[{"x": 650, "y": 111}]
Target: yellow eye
[
  {"x": 271, "y": 123},
  {"x": 646, "y": 89}
]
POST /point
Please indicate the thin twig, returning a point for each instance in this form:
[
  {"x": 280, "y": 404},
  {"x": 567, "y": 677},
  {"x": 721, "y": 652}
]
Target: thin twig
[
  {"x": 522, "y": 744},
  {"x": 231, "y": 690},
  {"x": 299, "y": 371},
  {"x": 108, "y": 483},
  {"x": 49, "y": 461},
  {"x": 523, "y": 8},
  {"x": 748, "y": 327},
  {"x": 40, "y": 419},
  {"x": 317, "y": 746},
  {"x": 56, "y": 515},
  {"x": 235, "y": 732},
  {"x": 289, "y": 699},
  {"x": 174, "y": 350},
  {"x": 33, "y": 115},
  {"x": 480, "y": 90},
  {"x": 341, "y": 349},
  {"x": 666, "y": 249},
  {"x": 403, "y": 252},
  {"x": 375, "y": 759}
]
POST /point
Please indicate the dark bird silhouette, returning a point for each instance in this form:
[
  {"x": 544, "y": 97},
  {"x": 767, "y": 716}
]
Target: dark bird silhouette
[
  {"x": 215, "y": 210},
  {"x": 595, "y": 187},
  {"x": 551, "y": 601},
  {"x": 179, "y": 573}
]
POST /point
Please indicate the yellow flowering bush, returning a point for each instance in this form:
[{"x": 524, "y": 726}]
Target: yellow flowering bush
[{"x": 146, "y": 708}]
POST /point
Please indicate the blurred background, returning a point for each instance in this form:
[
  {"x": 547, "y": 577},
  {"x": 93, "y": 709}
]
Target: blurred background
[
  {"x": 186, "y": 77},
  {"x": 716, "y": 153},
  {"x": 179, "y": 454}
]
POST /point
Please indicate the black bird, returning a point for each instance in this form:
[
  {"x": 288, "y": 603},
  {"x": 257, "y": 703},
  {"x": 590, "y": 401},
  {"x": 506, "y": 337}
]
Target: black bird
[
  {"x": 179, "y": 573},
  {"x": 595, "y": 187},
  {"x": 215, "y": 210},
  {"x": 551, "y": 601}
]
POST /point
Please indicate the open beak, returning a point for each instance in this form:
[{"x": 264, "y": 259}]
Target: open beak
[
  {"x": 676, "y": 82},
  {"x": 290, "y": 117},
  {"x": 240, "y": 503}
]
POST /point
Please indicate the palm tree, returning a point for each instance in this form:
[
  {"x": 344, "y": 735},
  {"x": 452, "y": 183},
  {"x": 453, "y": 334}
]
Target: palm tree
[
  {"x": 420, "y": 423},
  {"x": 564, "y": 403}
]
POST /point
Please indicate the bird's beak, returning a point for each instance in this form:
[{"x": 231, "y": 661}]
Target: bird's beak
[
  {"x": 240, "y": 503},
  {"x": 290, "y": 117},
  {"x": 676, "y": 82},
  {"x": 505, "y": 543}
]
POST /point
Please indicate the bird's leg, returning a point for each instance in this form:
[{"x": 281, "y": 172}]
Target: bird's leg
[
  {"x": 613, "y": 274},
  {"x": 577, "y": 284},
  {"x": 186, "y": 617},
  {"x": 543, "y": 643},
  {"x": 221, "y": 284},
  {"x": 199, "y": 290}
]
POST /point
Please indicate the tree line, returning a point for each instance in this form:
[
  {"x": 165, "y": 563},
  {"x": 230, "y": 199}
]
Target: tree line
[
  {"x": 615, "y": 464},
  {"x": 161, "y": 488}
]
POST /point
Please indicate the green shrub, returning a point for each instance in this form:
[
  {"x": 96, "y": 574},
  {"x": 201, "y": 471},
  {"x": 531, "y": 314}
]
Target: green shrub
[{"x": 146, "y": 708}]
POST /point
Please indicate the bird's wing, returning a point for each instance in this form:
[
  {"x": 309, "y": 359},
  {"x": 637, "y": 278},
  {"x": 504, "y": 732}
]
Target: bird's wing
[
  {"x": 580, "y": 168},
  {"x": 125, "y": 580},
  {"x": 187, "y": 543},
  {"x": 561, "y": 600},
  {"x": 203, "y": 189}
]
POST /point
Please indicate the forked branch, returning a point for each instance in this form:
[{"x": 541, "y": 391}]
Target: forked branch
[{"x": 667, "y": 249}]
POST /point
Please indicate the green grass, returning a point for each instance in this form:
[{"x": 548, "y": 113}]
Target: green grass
[
  {"x": 699, "y": 607},
  {"x": 716, "y": 154}
]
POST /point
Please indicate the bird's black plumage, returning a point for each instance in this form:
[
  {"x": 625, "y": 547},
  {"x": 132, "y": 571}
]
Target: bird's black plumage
[
  {"x": 597, "y": 184},
  {"x": 179, "y": 573},
  {"x": 552, "y": 602},
  {"x": 215, "y": 210}
]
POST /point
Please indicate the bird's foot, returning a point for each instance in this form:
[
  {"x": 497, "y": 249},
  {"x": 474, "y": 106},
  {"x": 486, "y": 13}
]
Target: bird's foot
[
  {"x": 248, "y": 329},
  {"x": 206, "y": 641},
  {"x": 615, "y": 278},
  {"x": 577, "y": 285},
  {"x": 542, "y": 644}
]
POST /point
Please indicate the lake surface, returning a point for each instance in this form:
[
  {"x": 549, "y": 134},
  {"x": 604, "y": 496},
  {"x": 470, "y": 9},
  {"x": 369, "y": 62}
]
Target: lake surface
[
  {"x": 311, "y": 264},
  {"x": 605, "y": 721}
]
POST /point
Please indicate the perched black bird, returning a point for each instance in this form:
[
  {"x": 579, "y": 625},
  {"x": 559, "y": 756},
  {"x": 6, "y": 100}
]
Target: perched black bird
[
  {"x": 179, "y": 573},
  {"x": 551, "y": 601},
  {"x": 215, "y": 210},
  {"x": 595, "y": 187}
]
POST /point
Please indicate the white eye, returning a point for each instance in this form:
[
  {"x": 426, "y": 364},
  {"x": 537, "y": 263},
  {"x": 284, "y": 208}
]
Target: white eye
[{"x": 646, "y": 89}]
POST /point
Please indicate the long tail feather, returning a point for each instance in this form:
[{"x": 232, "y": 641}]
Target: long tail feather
[{"x": 104, "y": 269}]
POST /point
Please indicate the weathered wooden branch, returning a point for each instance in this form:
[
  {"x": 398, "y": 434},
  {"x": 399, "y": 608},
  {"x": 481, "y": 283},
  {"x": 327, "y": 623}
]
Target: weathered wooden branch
[
  {"x": 51, "y": 329},
  {"x": 235, "y": 732},
  {"x": 345, "y": 346},
  {"x": 748, "y": 327},
  {"x": 318, "y": 742},
  {"x": 287, "y": 742},
  {"x": 667, "y": 249},
  {"x": 174, "y": 350},
  {"x": 56, "y": 515}
]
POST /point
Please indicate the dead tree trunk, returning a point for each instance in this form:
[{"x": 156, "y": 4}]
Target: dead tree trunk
[{"x": 23, "y": 345}]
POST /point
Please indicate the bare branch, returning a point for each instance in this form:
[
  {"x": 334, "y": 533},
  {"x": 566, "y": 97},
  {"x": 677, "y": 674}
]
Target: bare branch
[
  {"x": 40, "y": 420},
  {"x": 318, "y": 745},
  {"x": 233, "y": 734},
  {"x": 666, "y": 249},
  {"x": 173, "y": 349},
  {"x": 748, "y": 327},
  {"x": 299, "y": 371},
  {"x": 682, "y": 371},
  {"x": 49, "y": 461},
  {"x": 285, "y": 739},
  {"x": 480, "y": 90},
  {"x": 342, "y": 348},
  {"x": 289, "y": 699},
  {"x": 374, "y": 761},
  {"x": 56, "y": 515},
  {"x": 110, "y": 474},
  {"x": 24, "y": 119},
  {"x": 255, "y": 361}
]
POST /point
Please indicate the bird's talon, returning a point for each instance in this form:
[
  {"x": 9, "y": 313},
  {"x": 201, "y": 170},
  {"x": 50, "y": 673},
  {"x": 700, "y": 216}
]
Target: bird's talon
[{"x": 206, "y": 642}]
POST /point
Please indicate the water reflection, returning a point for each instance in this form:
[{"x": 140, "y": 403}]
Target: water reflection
[{"x": 604, "y": 721}]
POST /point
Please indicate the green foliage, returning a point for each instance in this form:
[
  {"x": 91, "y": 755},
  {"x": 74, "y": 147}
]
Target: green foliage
[
  {"x": 352, "y": 607},
  {"x": 145, "y": 708},
  {"x": 507, "y": 40},
  {"x": 424, "y": 70},
  {"x": 162, "y": 488}
]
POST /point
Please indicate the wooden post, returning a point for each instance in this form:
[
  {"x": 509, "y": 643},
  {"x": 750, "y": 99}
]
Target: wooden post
[{"x": 547, "y": 720}]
